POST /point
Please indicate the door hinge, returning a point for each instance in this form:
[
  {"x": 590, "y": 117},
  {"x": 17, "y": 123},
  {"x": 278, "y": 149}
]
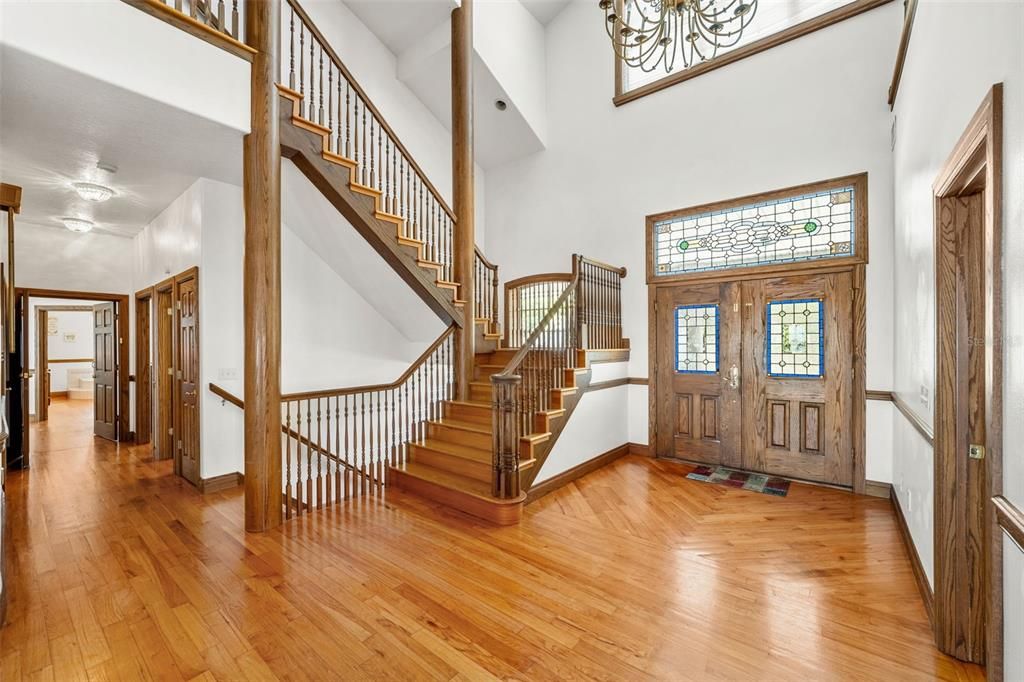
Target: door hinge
[
  {"x": 179, "y": 446},
  {"x": 170, "y": 372},
  {"x": 179, "y": 305},
  {"x": 170, "y": 431},
  {"x": 170, "y": 311},
  {"x": 976, "y": 451}
]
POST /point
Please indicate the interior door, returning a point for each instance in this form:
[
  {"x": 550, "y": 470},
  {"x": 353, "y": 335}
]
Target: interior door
[
  {"x": 143, "y": 371},
  {"x": 797, "y": 377},
  {"x": 186, "y": 404},
  {"x": 19, "y": 378},
  {"x": 105, "y": 371},
  {"x": 42, "y": 366},
  {"x": 697, "y": 369},
  {"x": 163, "y": 443}
]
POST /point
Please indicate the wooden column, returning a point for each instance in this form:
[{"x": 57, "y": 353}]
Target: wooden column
[
  {"x": 262, "y": 274},
  {"x": 462, "y": 183}
]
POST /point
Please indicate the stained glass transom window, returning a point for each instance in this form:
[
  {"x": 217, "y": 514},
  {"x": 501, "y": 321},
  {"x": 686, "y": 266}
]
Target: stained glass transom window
[
  {"x": 796, "y": 346},
  {"x": 805, "y": 227},
  {"x": 697, "y": 339}
]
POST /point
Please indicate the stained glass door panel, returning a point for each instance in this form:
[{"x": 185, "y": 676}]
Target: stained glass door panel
[
  {"x": 697, "y": 336},
  {"x": 797, "y": 376}
]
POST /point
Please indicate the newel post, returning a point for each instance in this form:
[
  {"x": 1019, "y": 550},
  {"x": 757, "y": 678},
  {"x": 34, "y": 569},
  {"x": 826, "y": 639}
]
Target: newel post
[
  {"x": 261, "y": 277},
  {"x": 505, "y": 424},
  {"x": 463, "y": 246}
]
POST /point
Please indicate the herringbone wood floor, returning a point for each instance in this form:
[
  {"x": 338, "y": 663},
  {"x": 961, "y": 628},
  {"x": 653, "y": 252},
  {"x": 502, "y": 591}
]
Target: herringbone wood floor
[{"x": 119, "y": 570}]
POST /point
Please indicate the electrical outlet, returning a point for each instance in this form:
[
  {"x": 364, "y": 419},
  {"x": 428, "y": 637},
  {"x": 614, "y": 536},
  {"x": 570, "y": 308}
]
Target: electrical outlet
[{"x": 227, "y": 374}]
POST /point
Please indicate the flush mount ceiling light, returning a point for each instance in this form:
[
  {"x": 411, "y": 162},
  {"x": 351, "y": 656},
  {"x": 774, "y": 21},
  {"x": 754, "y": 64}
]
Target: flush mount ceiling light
[
  {"x": 77, "y": 224},
  {"x": 648, "y": 33},
  {"x": 92, "y": 192}
]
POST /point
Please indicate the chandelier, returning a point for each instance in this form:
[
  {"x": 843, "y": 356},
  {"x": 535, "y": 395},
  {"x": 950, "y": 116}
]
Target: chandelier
[{"x": 649, "y": 33}]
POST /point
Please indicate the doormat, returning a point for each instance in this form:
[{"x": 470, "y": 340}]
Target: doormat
[{"x": 758, "y": 483}]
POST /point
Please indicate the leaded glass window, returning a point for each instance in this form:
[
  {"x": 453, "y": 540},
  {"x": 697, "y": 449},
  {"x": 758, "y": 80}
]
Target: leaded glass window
[
  {"x": 697, "y": 339},
  {"x": 796, "y": 345},
  {"x": 806, "y": 227}
]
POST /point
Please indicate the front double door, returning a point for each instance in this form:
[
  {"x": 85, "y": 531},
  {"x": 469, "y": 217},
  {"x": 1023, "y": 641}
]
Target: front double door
[{"x": 757, "y": 374}]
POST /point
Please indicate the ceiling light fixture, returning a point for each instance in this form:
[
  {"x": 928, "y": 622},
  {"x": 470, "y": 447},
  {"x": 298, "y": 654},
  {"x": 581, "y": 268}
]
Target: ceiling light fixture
[
  {"x": 646, "y": 33},
  {"x": 78, "y": 224},
  {"x": 92, "y": 192}
]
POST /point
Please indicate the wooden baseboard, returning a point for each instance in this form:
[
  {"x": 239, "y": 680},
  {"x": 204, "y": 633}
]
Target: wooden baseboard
[
  {"x": 541, "y": 489},
  {"x": 878, "y": 489},
  {"x": 640, "y": 450},
  {"x": 58, "y": 394},
  {"x": 923, "y": 586},
  {"x": 222, "y": 482}
]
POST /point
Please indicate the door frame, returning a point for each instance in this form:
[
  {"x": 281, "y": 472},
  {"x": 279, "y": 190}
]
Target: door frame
[
  {"x": 163, "y": 363},
  {"x": 42, "y": 362},
  {"x": 975, "y": 164},
  {"x": 143, "y": 367},
  {"x": 856, "y": 264},
  {"x": 121, "y": 321},
  {"x": 185, "y": 276}
]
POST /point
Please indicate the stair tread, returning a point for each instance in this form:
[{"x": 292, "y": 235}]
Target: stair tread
[
  {"x": 454, "y": 449},
  {"x": 446, "y": 479},
  {"x": 464, "y": 425},
  {"x": 470, "y": 403}
]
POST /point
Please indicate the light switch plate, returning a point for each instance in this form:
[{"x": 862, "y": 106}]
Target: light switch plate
[{"x": 227, "y": 374}]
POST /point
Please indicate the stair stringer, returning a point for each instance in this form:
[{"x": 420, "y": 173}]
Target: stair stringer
[{"x": 303, "y": 142}]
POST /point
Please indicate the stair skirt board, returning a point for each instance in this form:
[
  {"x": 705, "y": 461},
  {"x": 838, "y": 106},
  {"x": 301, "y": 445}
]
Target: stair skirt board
[{"x": 549, "y": 485}]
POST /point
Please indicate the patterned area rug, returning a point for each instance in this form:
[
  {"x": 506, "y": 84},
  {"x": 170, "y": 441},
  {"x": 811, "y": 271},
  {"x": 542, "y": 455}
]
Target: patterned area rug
[{"x": 759, "y": 483}]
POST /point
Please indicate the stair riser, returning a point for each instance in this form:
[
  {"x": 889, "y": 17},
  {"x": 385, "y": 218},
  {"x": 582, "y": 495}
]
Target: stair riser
[
  {"x": 469, "y": 413},
  {"x": 499, "y": 512},
  {"x": 460, "y": 436},
  {"x": 480, "y": 471},
  {"x": 484, "y": 393}
]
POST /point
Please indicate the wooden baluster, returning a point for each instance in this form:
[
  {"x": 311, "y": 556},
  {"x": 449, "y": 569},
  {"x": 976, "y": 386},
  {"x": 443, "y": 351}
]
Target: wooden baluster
[
  {"x": 319, "y": 456},
  {"x": 310, "y": 110},
  {"x": 220, "y": 16},
  {"x": 193, "y": 7},
  {"x": 291, "y": 49},
  {"x": 380, "y": 159},
  {"x": 302, "y": 64},
  {"x": 288, "y": 460},
  {"x": 309, "y": 456},
  {"x": 373, "y": 158},
  {"x": 320, "y": 88},
  {"x": 406, "y": 421},
  {"x": 357, "y": 158},
  {"x": 394, "y": 179},
  {"x": 234, "y": 19},
  {"x": 347, "y": 450},
  {"x": 348, "y": 118},
  {"x": 381, "y": 425},
  {"x": 330, "y": 105},
  {"x": 177, "y": 5},
  {"x": 386, "y": 182}
]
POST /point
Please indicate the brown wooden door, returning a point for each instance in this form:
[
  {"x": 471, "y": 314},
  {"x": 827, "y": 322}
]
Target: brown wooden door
[
  {"x": 697, "y": 408},
  {"x": 105, "y": 372},
  {"x": 758, "y": 374},
  {"x": 143, "y": 372},
  {"x": 42, "y": 367},
  {"x": 163, "y": 444},
  {"x": 797, "y": 378},
  {"x": 186, "y": 404}
]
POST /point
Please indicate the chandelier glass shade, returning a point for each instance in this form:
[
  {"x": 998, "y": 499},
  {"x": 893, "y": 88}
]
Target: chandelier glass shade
[
  {"x": 93, "y": 192},
  {"x": 646, "y": 34}
]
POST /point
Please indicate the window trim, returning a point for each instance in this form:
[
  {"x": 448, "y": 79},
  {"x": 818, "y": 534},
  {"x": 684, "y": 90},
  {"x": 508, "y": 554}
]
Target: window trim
[
  {"x": 784, "y": 36},
  {"x": 859, "y": 182}
]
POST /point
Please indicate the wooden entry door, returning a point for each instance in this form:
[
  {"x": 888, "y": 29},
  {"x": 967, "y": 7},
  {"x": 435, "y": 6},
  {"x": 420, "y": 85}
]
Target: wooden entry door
[
  {"x": 797, "y": 379},
  {"x": 186, "y": 403},
  {"x": 105, "y": 373},
  {"x": 698, "y": 371},
  {"x": 757, "y": 374}
]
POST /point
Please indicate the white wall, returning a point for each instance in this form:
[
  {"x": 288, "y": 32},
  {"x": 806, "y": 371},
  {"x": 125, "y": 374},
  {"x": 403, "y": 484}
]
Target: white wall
[
  {"x": 1013, "y": 610},
  {"x": 809, "y": 110},
  {"x": 376, "y": 68},
  {"x": 54, "y": 258},
  {"x": 78, "y": 323},
  {"x": 165, "y": 63},
  {"x": 940, "y": 90}
]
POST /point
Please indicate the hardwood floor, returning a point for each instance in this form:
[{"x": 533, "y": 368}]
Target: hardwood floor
[{"x": 119, "y": 570}]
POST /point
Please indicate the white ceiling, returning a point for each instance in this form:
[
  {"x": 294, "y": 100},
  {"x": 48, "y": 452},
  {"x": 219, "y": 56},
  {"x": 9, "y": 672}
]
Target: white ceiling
[
  {"x": 56, "y": 124},
  {"x": 545, "y": 10}
]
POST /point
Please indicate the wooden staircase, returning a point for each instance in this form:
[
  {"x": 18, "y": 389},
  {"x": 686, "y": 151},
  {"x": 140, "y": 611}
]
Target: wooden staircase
[
  {"x": 453, "y": 464},
  {"x": 308, "y": 145}
]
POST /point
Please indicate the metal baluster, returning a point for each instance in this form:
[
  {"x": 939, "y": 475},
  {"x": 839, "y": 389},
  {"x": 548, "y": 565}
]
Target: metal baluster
[
  {"x": 220, "y": 16},
  {"x": 309, "y": 456},
  {"x": 234, "y": 19},
  {"x": 362, "y": 443},
  {"x": 373, "y": 168},
  {"x": 330, "y": 106},
  {"x": 348, "y": 117},
  {"x": 319, "y": 456},
  {"x": 302, "y": 64}
]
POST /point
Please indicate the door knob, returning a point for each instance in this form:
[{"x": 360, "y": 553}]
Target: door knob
[{"x": 734, "y": 377}]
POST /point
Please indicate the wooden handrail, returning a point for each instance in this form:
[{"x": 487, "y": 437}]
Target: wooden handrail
[
  {"x": 369, "y": 104},
  {"x": 620, "y": 270},
  {"x": 306, "y": 395},
  {"x": 531, "y": 341},
  {"x": 226, "y": 395},
  {"x": 543, "y": 277},
  {"x": 483, "y": 258}
]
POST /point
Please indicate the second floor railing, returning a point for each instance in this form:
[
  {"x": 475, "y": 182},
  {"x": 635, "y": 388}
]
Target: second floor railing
[
  {"x": 219, "y": 15},
  {"x": 333, "y": 99}
]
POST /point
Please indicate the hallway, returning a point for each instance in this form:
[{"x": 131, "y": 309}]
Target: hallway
[{"x": 120, "y": 570}]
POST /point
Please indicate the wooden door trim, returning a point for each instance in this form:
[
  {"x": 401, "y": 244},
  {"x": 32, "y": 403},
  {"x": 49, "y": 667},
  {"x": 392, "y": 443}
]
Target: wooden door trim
[
  {"x": 42, "y": 362},
  {"x": 859, "y": 181},
  {"x": 123, "y": 347},
  {"x": 185, "y": 276},
  {"x": 975, "y": 164},
  {"x": 143, "y": 389},
  {"x": 162, "y": 362}
]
